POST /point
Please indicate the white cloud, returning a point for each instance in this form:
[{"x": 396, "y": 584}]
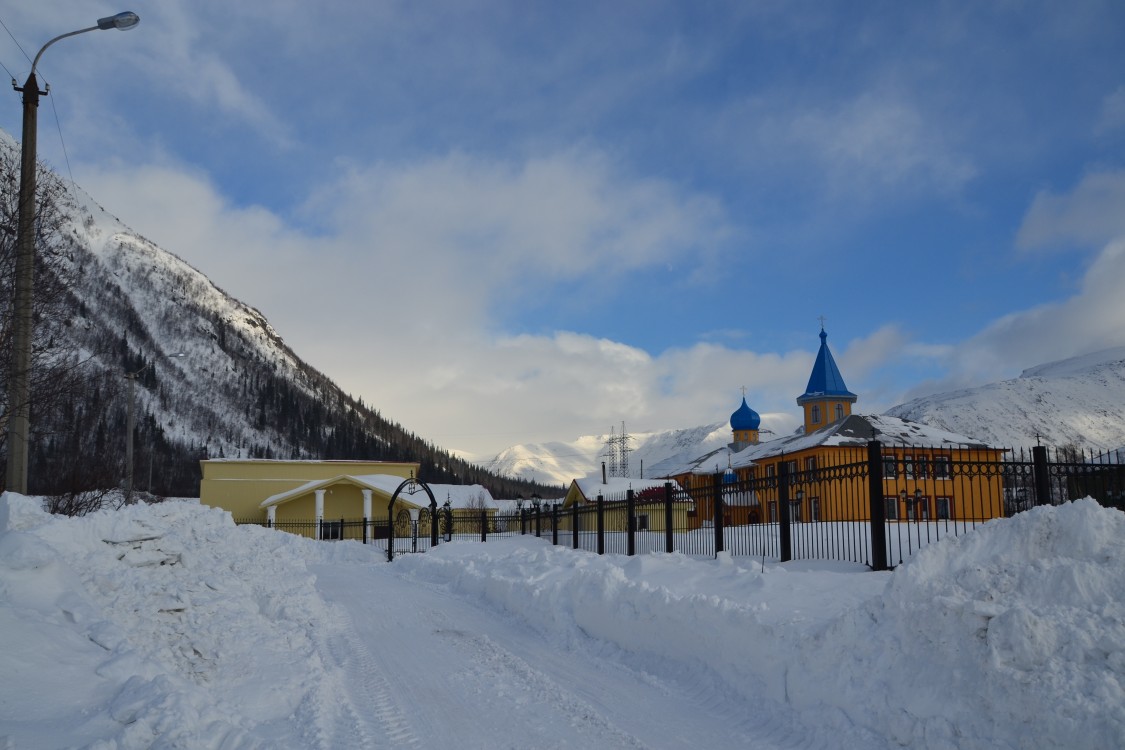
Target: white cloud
[
  {"x": 1091, "y": 215},
  {"x": 1112, "y": 116},
  {"x": 396, "y": 296}
]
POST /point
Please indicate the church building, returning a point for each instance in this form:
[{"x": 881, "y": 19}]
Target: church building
[{"x": 827, "y": 462}]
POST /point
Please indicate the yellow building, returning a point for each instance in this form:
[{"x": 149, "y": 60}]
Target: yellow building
[
  {"x": 648, "y": 500},
  {"x": 928, "y": 473},
  {"x": 254, "y": 489}
]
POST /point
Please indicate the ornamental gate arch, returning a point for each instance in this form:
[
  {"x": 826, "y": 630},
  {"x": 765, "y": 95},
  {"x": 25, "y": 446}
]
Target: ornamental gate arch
[{"x": 411, "y": 486}]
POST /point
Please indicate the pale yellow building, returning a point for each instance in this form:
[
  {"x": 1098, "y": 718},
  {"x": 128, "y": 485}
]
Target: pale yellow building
[{"x": 260, "y": 489}]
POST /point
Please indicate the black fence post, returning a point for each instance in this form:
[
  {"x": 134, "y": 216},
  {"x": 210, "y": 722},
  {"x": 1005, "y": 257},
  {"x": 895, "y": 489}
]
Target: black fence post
[
  {"x": 719, "y": 510},
  {"x": 1042, "y": 475},
  {"x": 878, "y": 505},
  {"x": 365, "y": 529},
  {"x": 538, "y": 522},
  {"x": 601, "y": 525},
  {"x": 669, "y": 519},
  {"x": 574, "y": 525},
  {"x": 785, "y": 540},
  {"x": 523, "y": 522},
  {"x": 554, "y": 524},
  {"x": 631, "y": 522},
  {"x": 483, "y": 525}
]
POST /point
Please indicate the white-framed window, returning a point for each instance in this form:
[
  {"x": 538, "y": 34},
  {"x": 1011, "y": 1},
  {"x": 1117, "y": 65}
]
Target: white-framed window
[
  {"x": 773, "y": 511},
  {"x": 794, "y": 511},
  {"x": 642, "y": 521},
  {"x": 814, "y": 509},
  {"x": 944, "y": 508},
  {"x": 892, "y": 508},
  {"x": 922, "y": 467},
  {"x": 810, "y": 463},
  {"x": 922, "y": 509},
  {"x": 941, "y": 467},
  {"x": 890, "y": 467},
  {"x": 908, "y": 466}
]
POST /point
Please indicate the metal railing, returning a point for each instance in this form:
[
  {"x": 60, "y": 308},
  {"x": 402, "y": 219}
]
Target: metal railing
[{"x": 876, "y": 505}]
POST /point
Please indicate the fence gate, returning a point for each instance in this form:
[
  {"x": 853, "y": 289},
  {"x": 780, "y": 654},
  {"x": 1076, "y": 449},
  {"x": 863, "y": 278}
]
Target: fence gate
[{"x": 410, "y": 486}]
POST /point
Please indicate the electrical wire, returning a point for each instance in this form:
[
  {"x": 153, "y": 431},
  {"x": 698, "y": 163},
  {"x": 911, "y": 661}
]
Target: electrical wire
[{"x": 21, "y": 49}]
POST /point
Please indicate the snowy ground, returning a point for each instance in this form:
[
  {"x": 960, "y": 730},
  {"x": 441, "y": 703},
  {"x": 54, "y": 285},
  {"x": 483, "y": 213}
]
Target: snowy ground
[{"x": 167, "y": 626}]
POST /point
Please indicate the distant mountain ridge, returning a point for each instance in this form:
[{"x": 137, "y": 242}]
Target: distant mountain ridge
[{"x": 1078, "y": 401}]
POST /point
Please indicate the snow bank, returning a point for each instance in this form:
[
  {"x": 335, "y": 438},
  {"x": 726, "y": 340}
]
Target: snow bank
[
  {"x": 1012, "y": 636},
  {"x": 168, "y": 626},
  {"x": 160, "y": 625}
]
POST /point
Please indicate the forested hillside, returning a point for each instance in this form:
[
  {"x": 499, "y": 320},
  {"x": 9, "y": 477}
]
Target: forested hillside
[{"x": 212, "y": 377}]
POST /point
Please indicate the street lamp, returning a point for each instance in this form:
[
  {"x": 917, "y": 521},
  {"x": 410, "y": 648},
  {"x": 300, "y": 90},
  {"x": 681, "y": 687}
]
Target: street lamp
[
  {"x": 132, "y": 378},
  {"x": 19, "y": 401}
]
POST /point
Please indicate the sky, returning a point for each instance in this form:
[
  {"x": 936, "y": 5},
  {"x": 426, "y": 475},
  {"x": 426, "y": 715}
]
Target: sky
[
  {"x": 167, "y": 625},
  {"x": 507, "y": 222}
]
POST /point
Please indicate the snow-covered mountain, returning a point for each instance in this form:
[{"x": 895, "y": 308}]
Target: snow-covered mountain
[
  {"x": 1078, "y": 401},
  {"x": 560, "y": 462},
  {"x": 216, "y": 379}
]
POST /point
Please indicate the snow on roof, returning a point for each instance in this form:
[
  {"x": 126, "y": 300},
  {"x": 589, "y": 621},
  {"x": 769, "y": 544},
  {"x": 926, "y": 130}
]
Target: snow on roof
[
  {"x": 857, "y": 430},
  {"x": 591, "y": 486},
  {"x": 459, "y": 495}
]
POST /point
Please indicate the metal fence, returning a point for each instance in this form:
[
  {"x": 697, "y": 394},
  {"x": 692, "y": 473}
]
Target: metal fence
[{"x": 876, "y": 506}]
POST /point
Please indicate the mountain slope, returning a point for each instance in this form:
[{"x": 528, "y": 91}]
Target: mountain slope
[
  {"x": 1078, "y": 401},
  {"x": 560, "y": 462},
  {"x": 237, "y": 390}
]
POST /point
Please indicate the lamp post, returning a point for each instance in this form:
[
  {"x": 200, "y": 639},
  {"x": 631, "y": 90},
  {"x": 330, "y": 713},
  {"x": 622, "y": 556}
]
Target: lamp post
[
  {"x": 19, "y": 401},
  {"x": 132, "y": 378}
]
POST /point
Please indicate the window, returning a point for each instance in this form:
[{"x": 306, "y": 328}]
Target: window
[
  {"x": 890, "y": 467},
  {"x": 814, "y": 417},
  {"x": 839, "y": 412},
  {"x": 642, "y": 521},
  {"x": 770, "y": 470},
  {"x": 810, "y": 463},
  {"x": 922, "y": 467},
  {"x": 794, "y": 511},
  {"x": 922, "y": 509},
  {"x": 773, "y": 511},
  {"x": 792, "y": 467},
  {"x": 943, "y": 508},
  {"x": 892, "y": 508},
  {"x": 814, "y": 508},
  {"x": 908, "y": 466},
  {"x": 941, "y": 467}
]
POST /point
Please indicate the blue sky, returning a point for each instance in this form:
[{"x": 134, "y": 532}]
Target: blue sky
[{"x": 508, "y": 222}]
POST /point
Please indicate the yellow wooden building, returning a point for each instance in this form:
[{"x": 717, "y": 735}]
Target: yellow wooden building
[
  {"x": 648, "y": 495},
  {"x": 928, "y": 473}
]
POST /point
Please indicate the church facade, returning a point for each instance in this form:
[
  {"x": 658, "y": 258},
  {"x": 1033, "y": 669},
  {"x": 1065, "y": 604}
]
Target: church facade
[{"x": 927, "y": 473}]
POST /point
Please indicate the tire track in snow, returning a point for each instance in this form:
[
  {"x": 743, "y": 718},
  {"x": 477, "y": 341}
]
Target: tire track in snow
[
  {"x": 361, "y": 690},
  {"x": 524, "y": 685}
]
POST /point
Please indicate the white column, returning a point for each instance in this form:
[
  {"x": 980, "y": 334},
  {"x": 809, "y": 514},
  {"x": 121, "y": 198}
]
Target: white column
[
  {"x": 367, "y": 514},
  {"x": 319, "y": 511},
  {"x": 271, "y": 514}
]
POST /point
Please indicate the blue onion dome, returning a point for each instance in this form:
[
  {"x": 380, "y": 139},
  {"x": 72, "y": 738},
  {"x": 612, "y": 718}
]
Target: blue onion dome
[{"x": 745, "y": 418}]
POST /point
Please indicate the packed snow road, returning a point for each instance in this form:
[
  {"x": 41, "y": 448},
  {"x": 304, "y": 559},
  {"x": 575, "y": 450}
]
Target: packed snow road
[{"x": 445, "y": 671}]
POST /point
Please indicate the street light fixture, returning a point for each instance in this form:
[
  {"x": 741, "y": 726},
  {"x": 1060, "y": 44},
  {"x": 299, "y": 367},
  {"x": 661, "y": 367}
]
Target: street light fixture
[
  {"x": 132, "y": 378},
  {"x": 19, "y": 401}
]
